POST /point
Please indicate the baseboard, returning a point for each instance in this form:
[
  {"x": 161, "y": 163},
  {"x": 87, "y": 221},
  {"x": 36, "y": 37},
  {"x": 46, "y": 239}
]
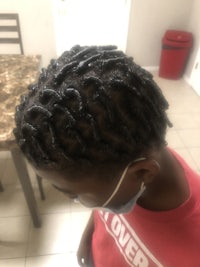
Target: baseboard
[{"x": 151, "y": 68}]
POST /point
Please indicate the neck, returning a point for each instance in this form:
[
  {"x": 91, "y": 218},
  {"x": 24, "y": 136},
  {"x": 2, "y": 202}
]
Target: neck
[{"x": 168, "y": 190}]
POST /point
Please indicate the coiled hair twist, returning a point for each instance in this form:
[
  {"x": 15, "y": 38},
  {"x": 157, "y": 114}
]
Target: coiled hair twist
[{"x": 93, "y": 104}]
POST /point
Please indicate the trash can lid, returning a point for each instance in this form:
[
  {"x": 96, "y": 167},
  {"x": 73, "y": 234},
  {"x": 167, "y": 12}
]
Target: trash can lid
[{"x": 178, "y": 36}]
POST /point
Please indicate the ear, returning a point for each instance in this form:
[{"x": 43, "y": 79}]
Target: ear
[{"x": 146, "y": 170}]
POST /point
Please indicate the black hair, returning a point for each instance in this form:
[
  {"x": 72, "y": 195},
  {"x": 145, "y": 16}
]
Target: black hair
[{"x": 93, "y": 104}]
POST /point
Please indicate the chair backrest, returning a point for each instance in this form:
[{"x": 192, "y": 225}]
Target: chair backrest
[{"x": 12, "y": 21}]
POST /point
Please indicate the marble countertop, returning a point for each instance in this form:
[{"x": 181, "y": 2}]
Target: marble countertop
[{"x": 16, "y": 73}]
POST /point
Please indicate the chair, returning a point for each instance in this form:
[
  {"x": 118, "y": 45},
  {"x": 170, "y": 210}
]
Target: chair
[
  {"x": 17, "y": 156},
  {"x": 10, "y": 19},
  {"x": 1, "y": 187}
]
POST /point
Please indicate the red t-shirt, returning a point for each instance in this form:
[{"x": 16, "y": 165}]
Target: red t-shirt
[{"x": 145, "y": 238}]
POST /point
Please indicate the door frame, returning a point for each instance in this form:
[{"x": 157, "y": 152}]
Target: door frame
[{"x": 195, "y": 75}]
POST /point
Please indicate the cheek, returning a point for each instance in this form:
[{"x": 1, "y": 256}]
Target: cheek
[{"x": 94, "y": 194}]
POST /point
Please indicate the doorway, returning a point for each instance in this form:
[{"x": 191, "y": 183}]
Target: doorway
[
  {"x": 91, "y": 22},
  {"x": 195, "y": 76}
]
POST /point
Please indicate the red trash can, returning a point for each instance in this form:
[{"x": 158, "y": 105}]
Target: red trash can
[{"x": 175, "y": 51}]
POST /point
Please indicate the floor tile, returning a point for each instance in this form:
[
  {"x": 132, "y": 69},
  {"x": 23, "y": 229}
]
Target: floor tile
[
  {"x": 68, "y": 259},
  {"x": 79, "y": 222},
  {"x": 10, "y": 176},
  {"x": 55, "y": 202},
  {"x": 195, "y": 153},
  {"x": 13, "y": 263},
  {"x": 181, "y": 97},
  {"x": 77, "y": 207},
  {"x": 53, "y": 237},
  {"x": 185, "y": 120},
  {"x": 14, "y": 236},
  {"x": 190, "y": 137},
  {"x": 184, "y": 104},
  {"x": 12, "y": 201},
  {"x": 5, "y": 154},
  {"x": 173, "y": 139}
]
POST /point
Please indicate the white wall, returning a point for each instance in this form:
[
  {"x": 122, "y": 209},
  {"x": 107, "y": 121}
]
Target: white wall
[
  {"x": 148, "y": 22},
  {"x": 194, "y": 27},
  {"x": 36, "y": 21}
]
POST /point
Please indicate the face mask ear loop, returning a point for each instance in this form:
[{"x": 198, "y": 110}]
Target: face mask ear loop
[
  {"x": 158, "y": 165},
  {"x": 120, "y": 181},
  {"x": 117, "y": 187},
  {"x": 143, "y": 187}
]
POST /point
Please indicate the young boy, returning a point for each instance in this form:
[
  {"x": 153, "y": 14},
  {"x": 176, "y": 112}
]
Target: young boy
[{"x": 94, "y": 125}]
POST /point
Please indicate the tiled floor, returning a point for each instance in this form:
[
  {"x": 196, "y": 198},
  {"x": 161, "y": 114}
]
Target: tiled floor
[{"x": 55, "y": 243}]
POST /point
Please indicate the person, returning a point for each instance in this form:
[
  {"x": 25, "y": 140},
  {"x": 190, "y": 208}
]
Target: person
[{"x": 94, "y": 125}]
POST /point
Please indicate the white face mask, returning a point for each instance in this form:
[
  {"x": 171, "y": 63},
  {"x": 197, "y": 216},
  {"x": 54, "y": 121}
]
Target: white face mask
[{"x": 130, "y": 204}]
